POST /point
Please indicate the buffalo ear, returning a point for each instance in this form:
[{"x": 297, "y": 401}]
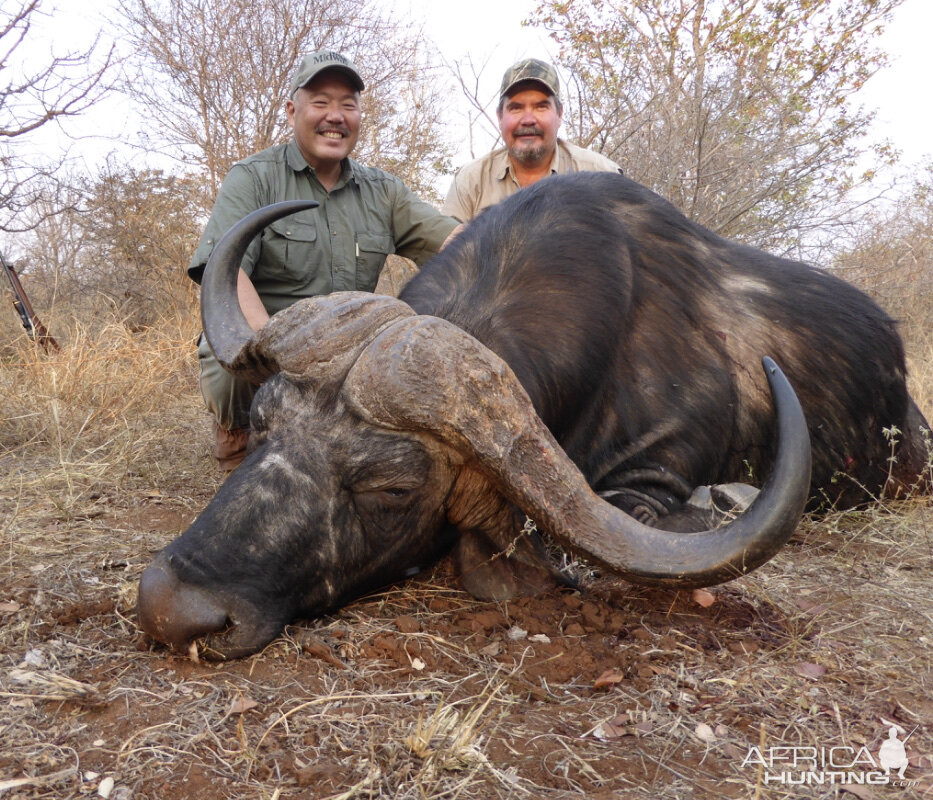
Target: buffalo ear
[{"x": 490, "y": 572}]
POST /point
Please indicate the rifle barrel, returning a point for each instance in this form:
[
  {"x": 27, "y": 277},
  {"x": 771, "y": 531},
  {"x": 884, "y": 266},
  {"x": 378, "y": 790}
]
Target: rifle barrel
[{"x": 31, "y": 322}]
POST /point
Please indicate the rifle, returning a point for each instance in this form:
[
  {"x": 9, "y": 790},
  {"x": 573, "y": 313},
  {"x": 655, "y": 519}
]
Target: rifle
[{"x": 33, "y": 325}]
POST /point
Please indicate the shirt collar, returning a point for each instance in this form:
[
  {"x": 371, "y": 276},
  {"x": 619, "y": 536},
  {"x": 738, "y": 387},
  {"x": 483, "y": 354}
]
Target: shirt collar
[{"x": 297, "y": 162}]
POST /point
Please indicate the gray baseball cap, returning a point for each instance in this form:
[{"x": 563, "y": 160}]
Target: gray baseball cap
[
  {"x": 315, "y": 63},
  {"x": 531, "y": 69}
]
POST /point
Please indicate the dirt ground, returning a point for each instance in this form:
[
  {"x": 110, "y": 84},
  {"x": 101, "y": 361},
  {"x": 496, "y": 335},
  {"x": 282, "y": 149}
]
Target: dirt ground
[{"x": 793, "y": 674}]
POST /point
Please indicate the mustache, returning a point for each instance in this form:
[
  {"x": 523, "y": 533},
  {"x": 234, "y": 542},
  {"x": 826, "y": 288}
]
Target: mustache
[
  {"x": 333, "y": 129},
  {"x": 531, "y": 130}
]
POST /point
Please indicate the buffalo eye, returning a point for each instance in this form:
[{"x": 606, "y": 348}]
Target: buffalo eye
[
  {"x": 385, "y": 511},
  {"x": 389, "y": 497}
]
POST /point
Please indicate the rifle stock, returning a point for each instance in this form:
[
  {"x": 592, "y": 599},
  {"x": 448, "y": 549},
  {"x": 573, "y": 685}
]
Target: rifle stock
[{"x": 31, "y": 322}]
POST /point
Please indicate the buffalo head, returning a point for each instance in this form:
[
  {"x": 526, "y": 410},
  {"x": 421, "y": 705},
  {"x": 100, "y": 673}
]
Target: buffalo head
[{"x": 381, "y": 438}]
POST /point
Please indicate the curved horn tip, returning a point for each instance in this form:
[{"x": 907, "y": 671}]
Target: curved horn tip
[{"x": 223, "y": 321}]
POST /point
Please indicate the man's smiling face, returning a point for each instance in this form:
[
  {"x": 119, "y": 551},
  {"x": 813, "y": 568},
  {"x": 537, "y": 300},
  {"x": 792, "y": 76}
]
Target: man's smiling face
[
  {"x": 529, "y": 121},
  {"x": 325, "y": 117}
]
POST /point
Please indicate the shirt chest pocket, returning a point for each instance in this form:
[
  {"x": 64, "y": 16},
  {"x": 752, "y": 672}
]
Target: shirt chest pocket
[
  {"x": 289, "y": 245},
  {"x": 371, "y": 252}
]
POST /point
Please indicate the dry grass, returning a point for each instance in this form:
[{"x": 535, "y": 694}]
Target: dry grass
[
  {"x": 920, "y": 368},
  {"x": 419, "y": 692}
]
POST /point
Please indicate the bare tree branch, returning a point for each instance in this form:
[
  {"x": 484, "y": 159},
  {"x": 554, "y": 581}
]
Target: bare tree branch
[
  {"x": 213, "y": 77},
  {"x": 739, "y": 112},
  {"x": 32, "y": 97}
]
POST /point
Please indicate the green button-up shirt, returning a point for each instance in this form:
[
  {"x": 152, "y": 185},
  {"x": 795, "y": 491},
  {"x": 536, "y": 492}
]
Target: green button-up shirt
[{"x": 340, "y": 245}]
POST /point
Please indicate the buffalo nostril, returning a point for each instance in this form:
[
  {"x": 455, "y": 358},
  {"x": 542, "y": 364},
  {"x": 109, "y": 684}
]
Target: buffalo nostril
[{"x": 174, "y": 612}]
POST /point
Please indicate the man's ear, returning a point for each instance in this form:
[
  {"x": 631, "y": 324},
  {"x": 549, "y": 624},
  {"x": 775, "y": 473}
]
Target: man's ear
[{"x": 290, "y": 112}]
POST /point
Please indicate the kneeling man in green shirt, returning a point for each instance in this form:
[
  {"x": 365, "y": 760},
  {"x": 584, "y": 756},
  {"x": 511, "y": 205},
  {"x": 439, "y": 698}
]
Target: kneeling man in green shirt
[{"x": 364, "y": 215}]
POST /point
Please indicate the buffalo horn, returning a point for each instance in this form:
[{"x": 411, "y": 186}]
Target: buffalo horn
[
  {"x": 316, "y": 339},
  {"x": 427, "y": 374}
]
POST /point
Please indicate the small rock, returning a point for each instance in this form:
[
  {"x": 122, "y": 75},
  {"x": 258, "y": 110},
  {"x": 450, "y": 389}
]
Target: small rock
[
  {"x": 704, "y": 733},
  {"x": 105, "y": 787}
]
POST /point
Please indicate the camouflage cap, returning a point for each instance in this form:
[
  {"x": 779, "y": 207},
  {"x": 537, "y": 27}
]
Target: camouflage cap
[
  {"x": 315, "y": 63},
  {"x": 531, "y": 69}
]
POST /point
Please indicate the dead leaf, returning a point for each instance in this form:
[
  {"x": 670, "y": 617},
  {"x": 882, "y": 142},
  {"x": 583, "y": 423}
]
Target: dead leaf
[
  {"x": 809, "y": 670},
  {"x": 608, "y": 679},
  {"x": 704, "y": 733},
  {"x": 240, "y": 705},
  {"x": 644, "y": 727},
  {"x": 734, "y": 752},
  {"x": 612, "y": 730},
  {"x": 703, "y": 597},
  {"x": 9, "y": 608},
  {"x": 810, "y": 606},
  {"x": 492, "y": 649},
  {"x": 318, "y": 648}
]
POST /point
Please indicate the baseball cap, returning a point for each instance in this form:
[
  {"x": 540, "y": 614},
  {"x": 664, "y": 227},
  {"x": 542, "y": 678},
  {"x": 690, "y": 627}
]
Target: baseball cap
[
  {"x": 531, "y": 69},
  {"x": 314, "y": 63}
]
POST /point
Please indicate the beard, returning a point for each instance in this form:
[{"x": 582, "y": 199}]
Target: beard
[
  {"x": 529, "y": 155},
  {"x": 526, "y": 153}
]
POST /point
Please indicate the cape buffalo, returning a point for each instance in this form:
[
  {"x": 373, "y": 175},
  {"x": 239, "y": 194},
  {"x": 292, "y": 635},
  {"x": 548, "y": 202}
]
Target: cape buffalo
[{"x": 582, "y": 354}]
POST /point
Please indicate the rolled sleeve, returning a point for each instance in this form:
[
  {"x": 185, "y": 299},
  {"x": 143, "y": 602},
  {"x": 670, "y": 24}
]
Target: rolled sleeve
[
  {"x": 237, "y": 198},
  {"x": 419, "y": 229},
  {"x": 458, "y": 204}
]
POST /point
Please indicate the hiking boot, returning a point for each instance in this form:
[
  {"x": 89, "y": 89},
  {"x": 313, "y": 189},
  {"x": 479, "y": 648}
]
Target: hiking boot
[{"x": 229, "y": 446}]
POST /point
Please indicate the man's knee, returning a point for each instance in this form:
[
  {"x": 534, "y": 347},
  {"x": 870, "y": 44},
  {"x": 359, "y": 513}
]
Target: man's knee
[{"x": 227, "y": 397}]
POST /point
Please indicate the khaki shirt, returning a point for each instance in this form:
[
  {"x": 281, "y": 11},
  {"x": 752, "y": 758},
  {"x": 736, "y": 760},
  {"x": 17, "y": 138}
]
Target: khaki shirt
[
  {"x": 489, "y": 179},
  {"x": 340, "y": 245}
]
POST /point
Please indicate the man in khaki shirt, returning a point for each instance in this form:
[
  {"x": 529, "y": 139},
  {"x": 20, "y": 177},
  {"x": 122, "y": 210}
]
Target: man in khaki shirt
[{"x": 529, "y": 114}]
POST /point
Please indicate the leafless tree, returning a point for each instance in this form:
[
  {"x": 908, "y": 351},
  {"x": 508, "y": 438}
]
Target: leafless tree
[
  {"x": 481, "y": 121},
  {"x": 116, "y": 252},
  {"x": 33, "y": 97},
  {"x": 891, "y": 254},
  {"x": 212, "y": 77},
  {"x": 740, "y": 112},
  {"x": 137, "y": 230}
]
